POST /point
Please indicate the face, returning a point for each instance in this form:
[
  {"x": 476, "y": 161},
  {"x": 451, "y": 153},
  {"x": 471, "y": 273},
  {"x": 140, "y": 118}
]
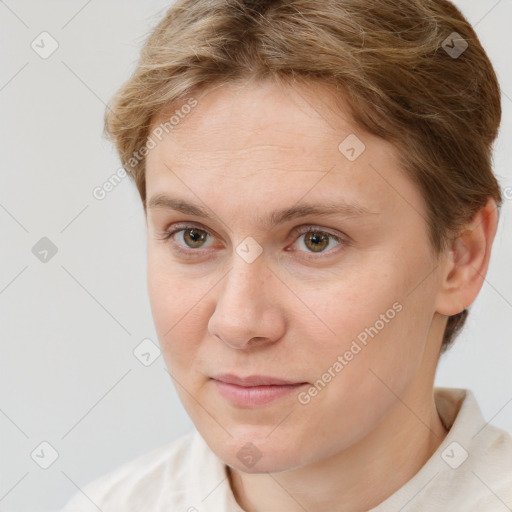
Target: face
[{"x": 336, "y": 296}]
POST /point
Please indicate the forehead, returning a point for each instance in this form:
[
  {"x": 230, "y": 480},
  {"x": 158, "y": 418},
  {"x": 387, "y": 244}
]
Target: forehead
[
  {"x": 271, "y": 139},
  {"x": 241, "y": 115}
]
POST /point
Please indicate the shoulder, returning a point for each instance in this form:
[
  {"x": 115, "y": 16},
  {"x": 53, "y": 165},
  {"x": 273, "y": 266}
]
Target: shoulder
[
  {"x": 471, "y": 470},
  {"x": 475, "y": 460},
  {"x": 139, "y": 483},
  {"x": 492, "y": 466}
]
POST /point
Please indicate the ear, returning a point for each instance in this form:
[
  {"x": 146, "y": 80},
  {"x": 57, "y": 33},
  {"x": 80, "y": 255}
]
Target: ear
[{"x": 465, "y": 264}]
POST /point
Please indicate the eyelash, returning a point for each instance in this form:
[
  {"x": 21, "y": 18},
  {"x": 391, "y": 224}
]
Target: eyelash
[{"x": 167, "y": 235}]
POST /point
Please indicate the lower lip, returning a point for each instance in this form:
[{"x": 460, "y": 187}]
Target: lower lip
[{"x": 254, "y": 395}]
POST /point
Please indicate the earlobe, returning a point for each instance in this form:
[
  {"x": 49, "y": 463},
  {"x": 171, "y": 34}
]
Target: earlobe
[{"x": 465, "y": 265}]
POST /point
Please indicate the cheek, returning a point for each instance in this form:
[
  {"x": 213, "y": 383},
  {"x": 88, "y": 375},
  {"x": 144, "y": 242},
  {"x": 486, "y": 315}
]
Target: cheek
[
  {"x": 177, "y": 306},
  {"x": 354, "y": 302},
  {"x": 371, "y": 356},
  {"x": 372, "y": 322},
  {"x": 180, "y": 308},
  {"x": 170, "y": 292}
]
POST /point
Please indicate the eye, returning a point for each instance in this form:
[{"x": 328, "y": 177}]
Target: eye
[
  {"x": 192, "y": 237},
  {"x": 315, "y": 240}
]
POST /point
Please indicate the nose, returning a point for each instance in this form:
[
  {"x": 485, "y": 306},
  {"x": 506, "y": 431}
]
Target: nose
[{"x": 247, "y": 312}]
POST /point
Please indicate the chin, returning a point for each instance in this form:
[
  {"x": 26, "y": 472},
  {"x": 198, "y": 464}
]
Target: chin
[{"x": 258, "y": 454}]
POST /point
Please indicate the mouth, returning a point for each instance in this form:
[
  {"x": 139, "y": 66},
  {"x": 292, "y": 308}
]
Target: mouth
[{"x": 253, "y": 390}]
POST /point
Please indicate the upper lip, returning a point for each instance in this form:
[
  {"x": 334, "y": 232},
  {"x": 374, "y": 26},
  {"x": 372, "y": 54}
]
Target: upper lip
[{"x": 253, "y": 380}]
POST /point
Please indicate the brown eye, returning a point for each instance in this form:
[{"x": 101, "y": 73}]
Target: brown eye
[
  {"x": 316, "y": 241},
  {"x": 194, "y": 237}
]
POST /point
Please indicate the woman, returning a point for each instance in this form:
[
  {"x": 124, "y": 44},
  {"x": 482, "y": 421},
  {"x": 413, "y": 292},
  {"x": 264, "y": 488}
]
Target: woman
[{"x": 316, "y": 178}]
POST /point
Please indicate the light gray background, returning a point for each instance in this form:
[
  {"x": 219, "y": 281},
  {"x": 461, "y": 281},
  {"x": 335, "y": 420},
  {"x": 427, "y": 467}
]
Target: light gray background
[{"x": 69, "y": 326}]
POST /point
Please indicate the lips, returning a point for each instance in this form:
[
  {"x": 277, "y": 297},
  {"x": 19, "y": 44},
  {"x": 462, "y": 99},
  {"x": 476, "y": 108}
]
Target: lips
[
  {"x": 254, "y": 380},
  {"x": 255, "y": 390}
]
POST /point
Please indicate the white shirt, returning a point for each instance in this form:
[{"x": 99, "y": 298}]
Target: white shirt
[{"x": 471, "y": 471}]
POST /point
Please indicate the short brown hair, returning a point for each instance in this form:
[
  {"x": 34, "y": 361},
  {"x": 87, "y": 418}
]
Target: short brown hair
[{"x": 389, "y": 59}]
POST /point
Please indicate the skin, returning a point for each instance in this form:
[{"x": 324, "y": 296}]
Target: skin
[{"x": 246, "y": 150}]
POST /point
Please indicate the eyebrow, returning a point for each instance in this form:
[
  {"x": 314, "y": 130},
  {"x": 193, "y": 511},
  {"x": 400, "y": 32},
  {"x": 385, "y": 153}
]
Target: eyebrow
[{"x": 274, "y": 218}]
